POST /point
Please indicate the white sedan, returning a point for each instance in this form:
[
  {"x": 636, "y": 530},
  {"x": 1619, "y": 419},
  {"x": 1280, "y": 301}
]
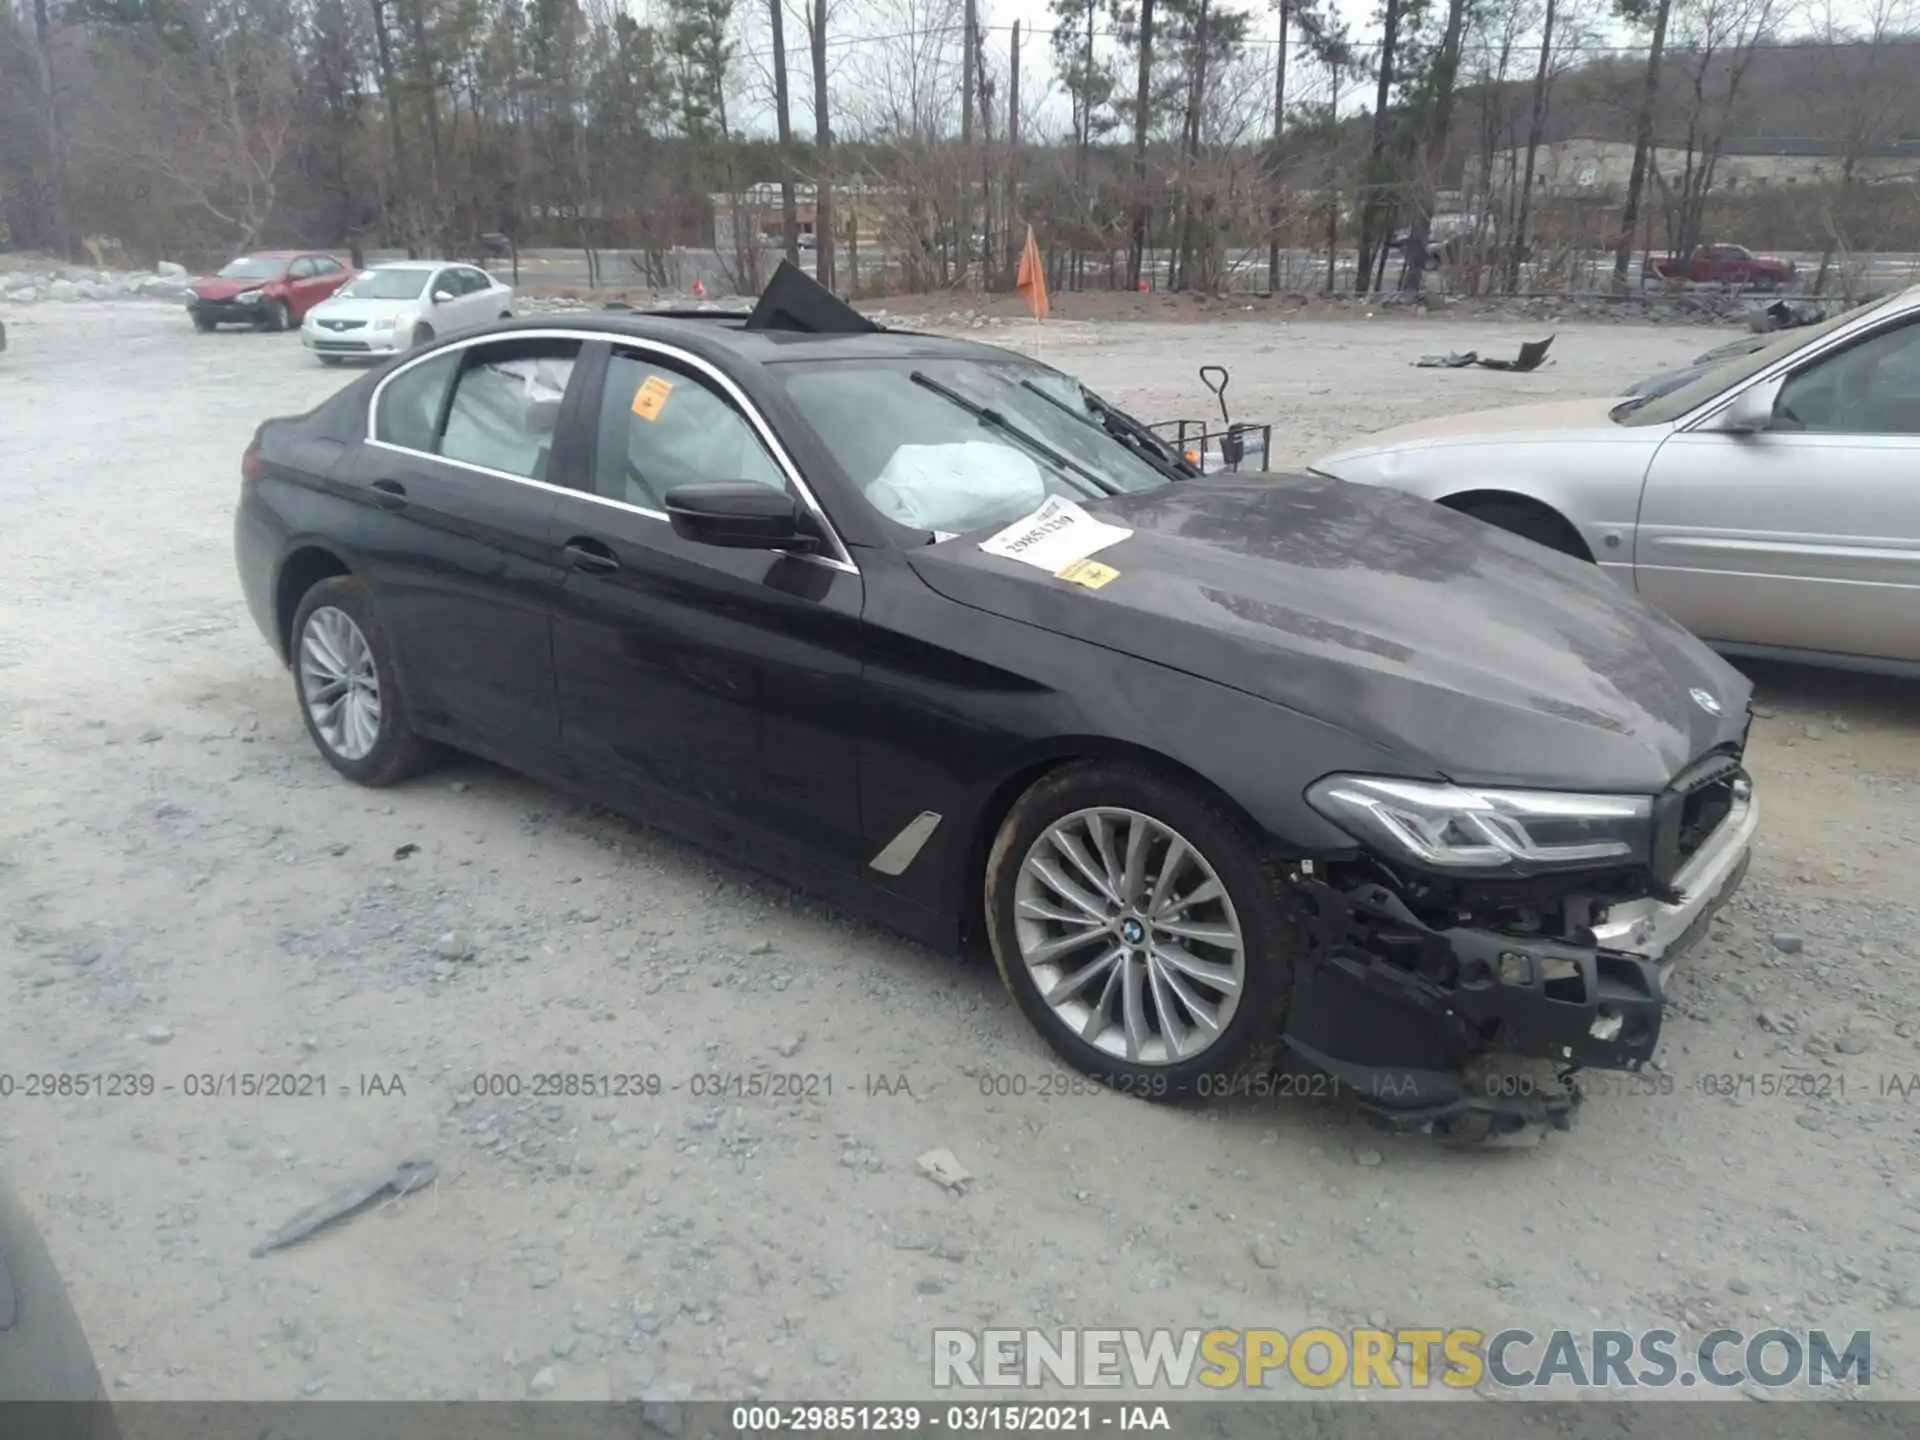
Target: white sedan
[
  {"x": 1771, "y": 504},
  {"x": 397, "y": 306}
]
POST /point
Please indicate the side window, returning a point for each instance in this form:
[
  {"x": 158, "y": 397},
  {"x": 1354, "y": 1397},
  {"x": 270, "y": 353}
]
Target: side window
[
  {"x": 411, "y": 403},
  {"x": 323, "y": 266},
  {"x": 1870, "y": 388},
  {"x": 444, "y": 280},
  {"x": 477, "y": 281},
  {"x": 662, "y": 426},
  {"x": 506, "y": 403},
  {"x": 302, "y": 269}
]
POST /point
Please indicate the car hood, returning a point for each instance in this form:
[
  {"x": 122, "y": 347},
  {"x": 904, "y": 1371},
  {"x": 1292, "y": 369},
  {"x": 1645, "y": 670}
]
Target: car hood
[
  {"x": 214, "y": 287},
  {"x": 1668, "y": 381},
  {"x": 1465, "y": 649},
  {"x": 346, "y": 307},
  {"x": 1474, "y": 425}
]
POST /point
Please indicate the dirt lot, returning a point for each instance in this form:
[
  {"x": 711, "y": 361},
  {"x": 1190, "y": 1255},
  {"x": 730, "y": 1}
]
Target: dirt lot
[{"x": 186, "y": 890}]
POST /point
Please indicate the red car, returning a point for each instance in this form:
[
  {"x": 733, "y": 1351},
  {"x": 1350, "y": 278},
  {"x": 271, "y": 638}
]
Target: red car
[
  {"x": 1724, "y": 265},
  {"x": 267, "y": 289}
]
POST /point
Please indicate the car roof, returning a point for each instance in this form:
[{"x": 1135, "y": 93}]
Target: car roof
[
  {"x": 415, "y": 264},
  {"x": 711, "y": 332}
]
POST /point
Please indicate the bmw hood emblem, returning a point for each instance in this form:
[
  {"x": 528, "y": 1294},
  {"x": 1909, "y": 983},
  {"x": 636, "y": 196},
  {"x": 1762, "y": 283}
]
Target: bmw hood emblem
[{"x": 1704, "y": 699}]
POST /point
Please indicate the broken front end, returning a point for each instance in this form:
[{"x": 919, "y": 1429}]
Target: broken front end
[{"x": 1467, "y": 1003}]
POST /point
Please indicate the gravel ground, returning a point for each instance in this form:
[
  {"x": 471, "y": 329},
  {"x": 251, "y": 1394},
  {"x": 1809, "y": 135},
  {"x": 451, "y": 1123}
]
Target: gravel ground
[{"x": 186, "y": 890}]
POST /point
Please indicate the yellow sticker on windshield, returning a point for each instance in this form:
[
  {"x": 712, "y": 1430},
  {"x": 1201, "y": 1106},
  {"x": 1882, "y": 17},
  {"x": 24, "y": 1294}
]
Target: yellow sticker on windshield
[
  {"x": 651, "y": 398},
  {"x": 1090, "y": 573}
]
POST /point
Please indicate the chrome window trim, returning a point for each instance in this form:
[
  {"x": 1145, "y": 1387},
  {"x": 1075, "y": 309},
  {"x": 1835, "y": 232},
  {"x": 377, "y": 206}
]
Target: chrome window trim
[
  {"x": 841, "y": 560},
  {"x": 1905, "y": 313}
]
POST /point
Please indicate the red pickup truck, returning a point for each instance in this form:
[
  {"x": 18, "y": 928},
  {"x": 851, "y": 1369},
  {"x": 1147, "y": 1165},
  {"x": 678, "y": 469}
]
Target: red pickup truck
[{"x": 1723, "y": 265}]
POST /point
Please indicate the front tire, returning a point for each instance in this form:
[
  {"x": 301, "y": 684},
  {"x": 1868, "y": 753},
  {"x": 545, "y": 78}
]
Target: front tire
[
  {"x": 278, "y": 318},
  {"x": 203, "y": 323},
  {"x": 329, "y": 359},
  {"x": 422, "y": 335},
  {"x": 347, "y": 688},
  {"x": 1142, "y": 931}
]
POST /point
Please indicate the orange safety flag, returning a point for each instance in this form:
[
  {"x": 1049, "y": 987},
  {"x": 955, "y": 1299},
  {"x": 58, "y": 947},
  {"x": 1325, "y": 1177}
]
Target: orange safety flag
[{"x": 1032, "y": 279}]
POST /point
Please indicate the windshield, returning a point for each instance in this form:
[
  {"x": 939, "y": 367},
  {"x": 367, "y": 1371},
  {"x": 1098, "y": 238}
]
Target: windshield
[
  {"x": 1667, "y": 408},
  {"x": 957, "y": 445},
  {"x": 387, "y": 284},
  {"x": 253, "y": 267}
]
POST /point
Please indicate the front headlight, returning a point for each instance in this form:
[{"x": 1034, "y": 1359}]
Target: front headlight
[
  {"x": 1451, "y": 827},
  {"x": 246, "y": 297}
]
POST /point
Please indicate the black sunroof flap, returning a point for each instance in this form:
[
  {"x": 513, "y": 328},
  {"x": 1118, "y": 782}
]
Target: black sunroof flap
[{"x": 794, "y": 300}]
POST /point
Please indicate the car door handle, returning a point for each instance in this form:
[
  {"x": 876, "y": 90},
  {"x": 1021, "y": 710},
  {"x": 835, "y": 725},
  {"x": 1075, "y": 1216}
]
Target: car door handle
[
  {"x": 590, "y": 556},
  {"x": 389, "y": 494}
]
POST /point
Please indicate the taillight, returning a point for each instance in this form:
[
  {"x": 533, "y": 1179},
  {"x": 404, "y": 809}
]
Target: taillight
[{"x": 251, "y": 465}]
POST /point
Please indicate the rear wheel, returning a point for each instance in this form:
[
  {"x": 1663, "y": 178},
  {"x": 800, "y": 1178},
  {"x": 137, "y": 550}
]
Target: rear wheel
[
  {"x": 1535, "y": 523},
  {"x": 348, "y": 689},
  {"x": 1141, "y": 931}
]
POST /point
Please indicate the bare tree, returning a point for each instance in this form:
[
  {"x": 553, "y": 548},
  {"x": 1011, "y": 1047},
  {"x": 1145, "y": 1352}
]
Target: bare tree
[
  {"x": 1536, "y": 133},
  {"x": 1657, "y": 13},
  {"x": 1720, "y": 39},
  {"x": 818, "y": 16},
  {"x": 1378, "y": 182},
  {"x": 1860, "y": 117},
  {"x": 1436, "y": 105},
  {"x": 783, "y": 121},
  {"x": 1142, "y": 122}
]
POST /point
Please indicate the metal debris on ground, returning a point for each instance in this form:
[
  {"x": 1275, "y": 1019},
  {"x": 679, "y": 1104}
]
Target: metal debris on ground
[
  {"x": 942, "y": 1168},
  {"x": 1787, "y": 315},
  {"x": 350, "y": 1200},
  {"x": 1531, "y": 356}
]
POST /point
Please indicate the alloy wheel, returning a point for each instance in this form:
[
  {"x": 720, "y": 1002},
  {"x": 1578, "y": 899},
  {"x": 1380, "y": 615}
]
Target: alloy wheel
[
  {"x": 340, "y": 683},
  {"x": 1129, "y": 935}
]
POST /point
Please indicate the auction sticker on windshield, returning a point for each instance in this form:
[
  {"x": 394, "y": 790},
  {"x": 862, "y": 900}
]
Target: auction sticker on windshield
[
  {"x": 1054, "y": 536},
  {"x": 1090, "y": 573}
]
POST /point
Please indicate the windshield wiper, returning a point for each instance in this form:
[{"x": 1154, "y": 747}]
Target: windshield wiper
[
  {"x": 988, "y": 416},
  {"x": 1124, "y": 428}
]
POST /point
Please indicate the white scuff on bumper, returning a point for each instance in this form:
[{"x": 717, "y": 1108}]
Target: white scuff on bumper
[{"x": 1664, "y": 933}]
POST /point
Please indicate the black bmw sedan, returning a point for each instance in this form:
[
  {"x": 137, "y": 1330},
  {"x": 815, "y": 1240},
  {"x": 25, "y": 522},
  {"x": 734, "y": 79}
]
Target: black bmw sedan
[{"x": 1236, "y": 775}]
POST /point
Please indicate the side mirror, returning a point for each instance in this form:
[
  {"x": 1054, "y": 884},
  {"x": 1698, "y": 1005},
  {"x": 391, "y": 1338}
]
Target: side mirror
[
  {"x": 740, "y": 515},
  {"x": 441, "y": 297},
  {"x": 1751, "y": 410}
]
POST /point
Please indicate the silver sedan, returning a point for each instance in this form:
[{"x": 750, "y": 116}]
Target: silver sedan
[{"x": 1771, "y": 505}]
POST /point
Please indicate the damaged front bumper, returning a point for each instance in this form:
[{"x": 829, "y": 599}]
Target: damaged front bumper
[{"x": 1478, "y": 1032}]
